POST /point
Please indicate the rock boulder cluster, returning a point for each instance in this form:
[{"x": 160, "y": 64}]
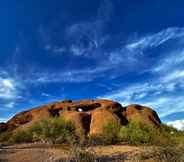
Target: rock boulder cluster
[{"x": 89, "y": 116}]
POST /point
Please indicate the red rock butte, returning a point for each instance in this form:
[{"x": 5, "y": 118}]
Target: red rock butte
[{"x": 89, "y": 116}]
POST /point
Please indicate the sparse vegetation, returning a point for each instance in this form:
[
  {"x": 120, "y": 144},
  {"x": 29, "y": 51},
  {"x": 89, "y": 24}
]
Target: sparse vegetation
[
  {"x": 53, "y": 130},
  {"x": 5, "y": 136},
  {"x": 139, "y": 133},
  {"x": 56, "y": 130},
  {"x": 109, "y": 136}
]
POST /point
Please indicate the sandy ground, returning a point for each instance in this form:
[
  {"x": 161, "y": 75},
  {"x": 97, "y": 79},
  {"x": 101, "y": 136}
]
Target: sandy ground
[{"x": 46, "y": 153}]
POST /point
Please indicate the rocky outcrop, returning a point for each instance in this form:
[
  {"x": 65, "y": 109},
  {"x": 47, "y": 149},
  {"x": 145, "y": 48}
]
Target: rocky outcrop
[
  {"x": 100, "y": 118},
  {"x": 142, "y": 114},
  {"x": 89, "y": 116},
  {"x": 81, "y": 120}
]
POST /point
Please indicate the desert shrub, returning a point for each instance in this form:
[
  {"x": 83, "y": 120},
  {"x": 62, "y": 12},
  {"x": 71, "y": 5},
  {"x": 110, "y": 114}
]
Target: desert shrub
[
  {"x": 53, "y": 130},
  {"x": 136, "y": 133},
  {"x": 139, "y": 133},
  {"x": 5, "y": 136},
  {"x": 20, "y": 136},
  {"x": 109, "y": 135}
]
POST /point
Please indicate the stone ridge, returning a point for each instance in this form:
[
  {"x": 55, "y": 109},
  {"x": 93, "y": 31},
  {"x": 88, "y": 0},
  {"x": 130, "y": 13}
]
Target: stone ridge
[{"x": 89, "y": 116}]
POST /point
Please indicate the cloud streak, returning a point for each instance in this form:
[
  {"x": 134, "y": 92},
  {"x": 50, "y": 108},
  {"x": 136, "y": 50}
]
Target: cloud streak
[{"x": 157, "y": 39}]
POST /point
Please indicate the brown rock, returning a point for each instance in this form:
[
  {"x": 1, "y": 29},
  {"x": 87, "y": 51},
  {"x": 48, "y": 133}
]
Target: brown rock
[
  {"x": 81, "y": 120},
  {"x": 89, "y": 116},
  {"x": 142, "y": 114},
  {"x": 99, "y": 118}
]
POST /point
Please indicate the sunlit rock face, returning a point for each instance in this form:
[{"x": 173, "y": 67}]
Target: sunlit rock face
[{"x": 89, "y": 116}]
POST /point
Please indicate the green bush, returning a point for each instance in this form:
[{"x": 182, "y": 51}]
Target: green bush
[
  {"x": 5, "y": 136},
  {"x": 109, "y": 135},
  {"x": 20, "y": 137},
  {"x": 136, "y": 133},
  {"x": 139, "y": 133},
  {"x": 53, "y": 130}
]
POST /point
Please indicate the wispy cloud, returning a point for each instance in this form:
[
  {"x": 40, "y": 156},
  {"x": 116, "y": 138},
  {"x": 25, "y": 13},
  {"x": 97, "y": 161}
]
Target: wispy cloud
[
  {"x": 88, "y": 36},
  {"x": 7, "y": 88},
  {"x": 10, "y": 90},
  {"x": 157, "y": 39},
  {"x": 72, "y": 76},
  {"x": 172, "y": 60}
]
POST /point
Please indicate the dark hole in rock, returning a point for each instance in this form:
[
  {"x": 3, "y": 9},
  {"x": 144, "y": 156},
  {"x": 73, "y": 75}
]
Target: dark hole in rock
[
  {"x": 81, "y": 108},
  {"x": 67, "y": 101},
  {"x": 54, "y": 112},
  {"x": 86, "y": 123},
  {"x": 156, "y": 116},
  {"x": 138, "y": 107},
  {"x": 123, "y": 119}
]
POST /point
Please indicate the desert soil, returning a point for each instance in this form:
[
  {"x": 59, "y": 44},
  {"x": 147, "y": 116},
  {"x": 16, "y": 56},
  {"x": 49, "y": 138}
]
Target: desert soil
[{"x": 46, "y": 153}]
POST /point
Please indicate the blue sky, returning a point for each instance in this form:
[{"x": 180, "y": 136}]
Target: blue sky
[{"x": 129, "y": 51}]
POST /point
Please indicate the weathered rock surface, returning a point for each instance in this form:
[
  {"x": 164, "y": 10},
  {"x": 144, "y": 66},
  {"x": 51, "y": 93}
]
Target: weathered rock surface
[
  {"x": 142, "y": 114},
  {"x": 89, "y": 116}
]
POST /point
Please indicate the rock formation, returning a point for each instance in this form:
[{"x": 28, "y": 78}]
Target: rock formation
[{"x": 89, "y": 116}]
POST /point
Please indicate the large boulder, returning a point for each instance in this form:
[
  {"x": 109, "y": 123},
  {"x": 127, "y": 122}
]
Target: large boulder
[
  {"x": 81, "y": 120},
  {"x": 142, "y": 114},
  {"x": 100, "y": 118}
]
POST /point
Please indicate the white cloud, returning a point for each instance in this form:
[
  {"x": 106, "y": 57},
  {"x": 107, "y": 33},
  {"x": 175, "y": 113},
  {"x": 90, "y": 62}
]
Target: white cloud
[
  {"x": 7, "y": 88},
  {"x": 10, "y": 90},
  {"x": 179, "y": 124},
  {"x": 172, "y": 60},
  {"x": 175, "y": 75},
  {"x": 155, "y": 40},
  {"x": 72, "y": 76}
]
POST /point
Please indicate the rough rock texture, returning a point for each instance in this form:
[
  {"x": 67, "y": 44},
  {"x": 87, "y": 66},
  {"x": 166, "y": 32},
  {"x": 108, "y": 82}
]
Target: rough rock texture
[
  {"x": 89, "y": 116},
  {"x": 100, "y": 118},
  {"x": 142, "y": 114},
  {"x": 80, "y": 119}
]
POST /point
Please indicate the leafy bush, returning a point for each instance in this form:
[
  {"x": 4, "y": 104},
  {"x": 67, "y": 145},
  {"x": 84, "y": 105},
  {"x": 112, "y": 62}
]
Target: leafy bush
[
  {"x": 4, "y": 137},
  {"x": 139, "y": 133},
  {"x": 109, "y": 135},
  {"x": 20, "y": 136},
  {"x": 53, "y": 130}
]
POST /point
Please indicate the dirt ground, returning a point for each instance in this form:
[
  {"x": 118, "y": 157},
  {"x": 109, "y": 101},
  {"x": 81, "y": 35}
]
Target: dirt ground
[{"x": 46, "y": 153}]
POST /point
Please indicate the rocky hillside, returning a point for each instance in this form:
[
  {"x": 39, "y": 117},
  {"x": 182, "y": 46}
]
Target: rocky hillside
[{"x": 88, "y": 116}]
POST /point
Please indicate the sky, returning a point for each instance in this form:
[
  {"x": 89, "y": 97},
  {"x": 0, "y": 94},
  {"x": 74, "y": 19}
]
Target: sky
[{"x": 129, "y": 51}]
